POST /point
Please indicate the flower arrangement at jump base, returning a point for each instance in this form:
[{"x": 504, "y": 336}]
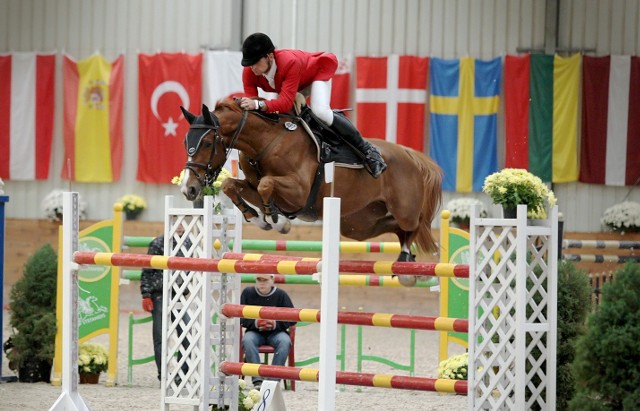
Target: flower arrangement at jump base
[
  {"x": 623, "y": 217},
  {"x": 93, "y": 358},
  {"x": 132, "y": 205},
  {"x": 210, "y": 190},
  {"x": 247, "y": 398},
  {"x": 52, "y": 206},
  {"x": 454, "y": 368},
  {"x": 460, "y": 209},
  {"x": 512, "y": 186}
]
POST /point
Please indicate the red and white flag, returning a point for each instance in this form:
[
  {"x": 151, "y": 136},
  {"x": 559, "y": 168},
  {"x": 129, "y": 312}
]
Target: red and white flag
[
  {"x": 341, "y": 86},
  {"x": 391, "y": 98},
  {"x": 27, "y": 83},
  {"x": 610, "y": 120},
  {"x": 166, "y": 81}
]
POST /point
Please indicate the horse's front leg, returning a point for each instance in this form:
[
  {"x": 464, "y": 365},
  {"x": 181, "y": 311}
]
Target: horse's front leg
[
  {"x": 265, "y": 189},
  {"x": 239, "y": 192}
]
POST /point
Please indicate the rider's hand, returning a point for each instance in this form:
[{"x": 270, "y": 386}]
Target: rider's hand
[
  {"x": 147, "y": 304},
  {"x": 248, "y": 103}
]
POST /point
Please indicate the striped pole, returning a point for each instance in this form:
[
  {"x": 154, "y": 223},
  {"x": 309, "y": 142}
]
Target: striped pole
[
  {"x": 609, "y": 244},
  {"x": 366, "y": 280},
  {"x": 600, "y": 258},
  {"x": 230, "y": 255},
  {"x": 347, "y": 317},
  {"x": 196, "y": 264},
  {"x": 347, "y": 378},
  {"x": 286, "y": 267},
  {"x": 291, "y": 245}
]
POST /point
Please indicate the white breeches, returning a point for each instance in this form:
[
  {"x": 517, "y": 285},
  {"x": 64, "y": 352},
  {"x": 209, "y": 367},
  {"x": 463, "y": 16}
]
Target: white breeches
[{"x": 320, "y": 99}]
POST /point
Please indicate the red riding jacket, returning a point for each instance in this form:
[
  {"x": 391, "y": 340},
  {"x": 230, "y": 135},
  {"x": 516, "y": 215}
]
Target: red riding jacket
[{"x": 296, "y": 70}]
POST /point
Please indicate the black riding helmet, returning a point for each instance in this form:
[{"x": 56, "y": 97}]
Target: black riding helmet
[{"x": 255, "y": 47}]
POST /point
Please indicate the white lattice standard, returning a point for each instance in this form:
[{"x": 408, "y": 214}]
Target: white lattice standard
[
  {"x": 513, "y": 312},
  {"x": 197, "y": 340}
]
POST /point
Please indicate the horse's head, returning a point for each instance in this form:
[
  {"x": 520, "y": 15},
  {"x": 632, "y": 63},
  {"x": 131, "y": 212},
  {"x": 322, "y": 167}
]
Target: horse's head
[{"x": 206, "y": 152}]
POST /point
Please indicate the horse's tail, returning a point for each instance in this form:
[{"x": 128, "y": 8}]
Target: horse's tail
[{"x": 431, "y": 201}]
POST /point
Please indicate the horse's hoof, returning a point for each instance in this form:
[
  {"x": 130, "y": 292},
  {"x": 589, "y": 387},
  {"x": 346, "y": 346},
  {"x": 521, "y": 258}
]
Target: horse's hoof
[
  {"x": 405, "y": 256},
  {"x": 407, "y": 280},
  {"x": 286, "y": 227}
]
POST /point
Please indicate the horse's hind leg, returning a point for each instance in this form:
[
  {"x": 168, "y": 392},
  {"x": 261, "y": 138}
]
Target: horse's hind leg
[{"x": 405, "y": 255}]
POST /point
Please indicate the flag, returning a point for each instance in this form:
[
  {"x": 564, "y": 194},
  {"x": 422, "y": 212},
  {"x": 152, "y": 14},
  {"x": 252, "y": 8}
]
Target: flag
[
  {"x": 391, "y": 96},
  {"x": 464, "y": 105},
  {"x": 610, "y": 120},
  {"x": 166, "y": 81},
  {"x": 541, "y": 115},
  {"x": 222, "y": 76},
  {"x": 341, "y": 86},
  {"x": 26, "y": 115},
  {"x": 93, "y": 92}
]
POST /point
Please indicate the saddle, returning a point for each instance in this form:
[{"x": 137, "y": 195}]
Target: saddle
[{"x": 330, "y": 146}]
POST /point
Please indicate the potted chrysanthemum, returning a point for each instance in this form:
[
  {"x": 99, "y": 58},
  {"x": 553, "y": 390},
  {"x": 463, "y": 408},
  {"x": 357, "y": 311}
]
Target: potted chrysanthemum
[
  {"x": 132, "y": 205},
  {"x": 460, "y": 209},
  {"x": 93, "y": 359},
  {"x": 52, "y": 206},
  {"x": 454, "y": 368},
  {"x": 512, "y": 186},
  {"x": 247, "y": 398},
  {"x": 215, "y": 189},
  {"x": 623, "y": 217}
]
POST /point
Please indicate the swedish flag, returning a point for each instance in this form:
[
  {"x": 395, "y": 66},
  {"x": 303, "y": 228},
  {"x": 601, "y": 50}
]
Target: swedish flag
[{"x": 463, "y": 110}]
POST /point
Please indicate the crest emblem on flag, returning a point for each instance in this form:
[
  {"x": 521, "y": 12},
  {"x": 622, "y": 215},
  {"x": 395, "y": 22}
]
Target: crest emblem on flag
[{"x": 94, "y": 94}]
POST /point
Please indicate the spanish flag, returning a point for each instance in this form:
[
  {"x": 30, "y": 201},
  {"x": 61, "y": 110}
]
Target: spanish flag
[{"x": 93, "y": 94}]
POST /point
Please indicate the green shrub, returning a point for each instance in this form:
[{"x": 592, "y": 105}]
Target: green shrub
[
  {"x": 607, "y": 366},
  {"x": 574, "y": 304},
  {"x": 33, "y": 309}
]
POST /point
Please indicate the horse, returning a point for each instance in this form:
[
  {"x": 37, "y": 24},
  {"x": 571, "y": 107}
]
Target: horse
[{"x": 282, "y": 180}]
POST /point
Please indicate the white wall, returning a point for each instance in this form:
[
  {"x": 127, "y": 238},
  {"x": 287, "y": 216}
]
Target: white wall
[{"x": 439, "y": 28}]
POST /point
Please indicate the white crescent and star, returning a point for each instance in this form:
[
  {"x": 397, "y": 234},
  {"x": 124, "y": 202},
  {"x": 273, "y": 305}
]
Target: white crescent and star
[{"x": 170, "y": 86}]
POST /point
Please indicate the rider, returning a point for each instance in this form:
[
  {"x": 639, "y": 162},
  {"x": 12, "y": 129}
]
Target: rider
[{"x": 288, "y": 71}]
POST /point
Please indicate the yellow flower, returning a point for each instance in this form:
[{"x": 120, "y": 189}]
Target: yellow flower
[
  {"x": 132, "y": 202},
  {"x": 93, "y": 358}
]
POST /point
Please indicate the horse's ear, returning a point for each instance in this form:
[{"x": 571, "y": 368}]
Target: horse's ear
[
  {"x": 206, "y": 114},
  {"x": 190, "y": 117}
]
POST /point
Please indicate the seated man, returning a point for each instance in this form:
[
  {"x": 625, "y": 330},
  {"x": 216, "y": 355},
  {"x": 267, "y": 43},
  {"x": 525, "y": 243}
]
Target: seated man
[{"x": 265, "y": 332}]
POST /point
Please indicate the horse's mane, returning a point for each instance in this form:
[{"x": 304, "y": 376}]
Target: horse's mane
[{"x": 229, "y": 104}]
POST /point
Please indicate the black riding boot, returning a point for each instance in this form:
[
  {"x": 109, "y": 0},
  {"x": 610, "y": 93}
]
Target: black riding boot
[{"x": 373, "y": 161}]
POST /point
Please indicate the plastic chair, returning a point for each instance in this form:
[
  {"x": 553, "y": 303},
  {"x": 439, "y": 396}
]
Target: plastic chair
[{"x": 267, "y": 349}]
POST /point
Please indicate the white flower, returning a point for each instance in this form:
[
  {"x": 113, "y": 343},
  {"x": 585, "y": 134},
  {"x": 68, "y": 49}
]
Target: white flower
[
  {"x": 52, "y": 206},
  {"x": 624, "y": 216},
  {"x": 512, "y": 186},
  {"x": 132, "y": 202},
  {"x": 454, "y": 368},
  {"x": 461, "y": 209},
  {"x": 92, "y": 358}
]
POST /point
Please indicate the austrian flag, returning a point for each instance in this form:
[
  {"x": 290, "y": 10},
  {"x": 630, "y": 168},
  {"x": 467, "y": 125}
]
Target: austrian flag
[
  {"x": 391, "y": 98},
  {"x": 26, "y": 115}
]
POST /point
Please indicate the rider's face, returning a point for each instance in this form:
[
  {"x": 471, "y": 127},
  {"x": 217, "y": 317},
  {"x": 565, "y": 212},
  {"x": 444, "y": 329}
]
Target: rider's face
[{"x": 262, "y": 66}]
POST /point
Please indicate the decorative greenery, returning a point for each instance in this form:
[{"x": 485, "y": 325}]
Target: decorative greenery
[
  {"x": 606, "y": 366},
  {"x": 132, "y": 203},
  {"x": 454, "y": 368},
  {"x": 512, "y": 186},
  {"x": 210, "y": 190},
  {"x": 574, "y": 305},
  {"x": 623, "y": 217},
  {"x": 461, "y": 209},
  {"x": 247, "y": 398},
  {"x": 52, "y": 206},
  {"x": 93, "y": 358},
  {"x": 33, "y": 310}
]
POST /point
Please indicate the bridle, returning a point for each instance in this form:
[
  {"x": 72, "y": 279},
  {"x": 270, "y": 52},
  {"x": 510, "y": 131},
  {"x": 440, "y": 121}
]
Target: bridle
[{"x": 210, "y": 175}]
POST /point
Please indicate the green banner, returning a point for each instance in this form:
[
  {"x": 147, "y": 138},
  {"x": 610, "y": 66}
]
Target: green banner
[
  {"x": 94, "y": 283},
  {"x": 458, "y": 287}
]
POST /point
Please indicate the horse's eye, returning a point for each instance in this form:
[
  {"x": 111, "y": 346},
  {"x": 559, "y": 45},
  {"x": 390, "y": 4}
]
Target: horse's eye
[{"x": 207, "y": 144}]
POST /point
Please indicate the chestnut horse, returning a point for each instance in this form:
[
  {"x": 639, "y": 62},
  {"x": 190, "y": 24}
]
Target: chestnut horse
[{"x": 280, "y": 163}]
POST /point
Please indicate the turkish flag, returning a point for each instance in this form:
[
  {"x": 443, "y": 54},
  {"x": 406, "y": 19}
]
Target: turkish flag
[
  {"x": 391, "y": 98},
  {"x": 166, "y": 81}
]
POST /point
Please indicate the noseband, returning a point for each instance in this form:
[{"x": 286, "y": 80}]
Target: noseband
[{"x": 210, "y": 175}]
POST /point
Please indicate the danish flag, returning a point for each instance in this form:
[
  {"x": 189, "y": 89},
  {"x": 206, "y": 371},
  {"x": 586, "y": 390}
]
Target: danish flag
[{"x": 391, "y": 98}]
